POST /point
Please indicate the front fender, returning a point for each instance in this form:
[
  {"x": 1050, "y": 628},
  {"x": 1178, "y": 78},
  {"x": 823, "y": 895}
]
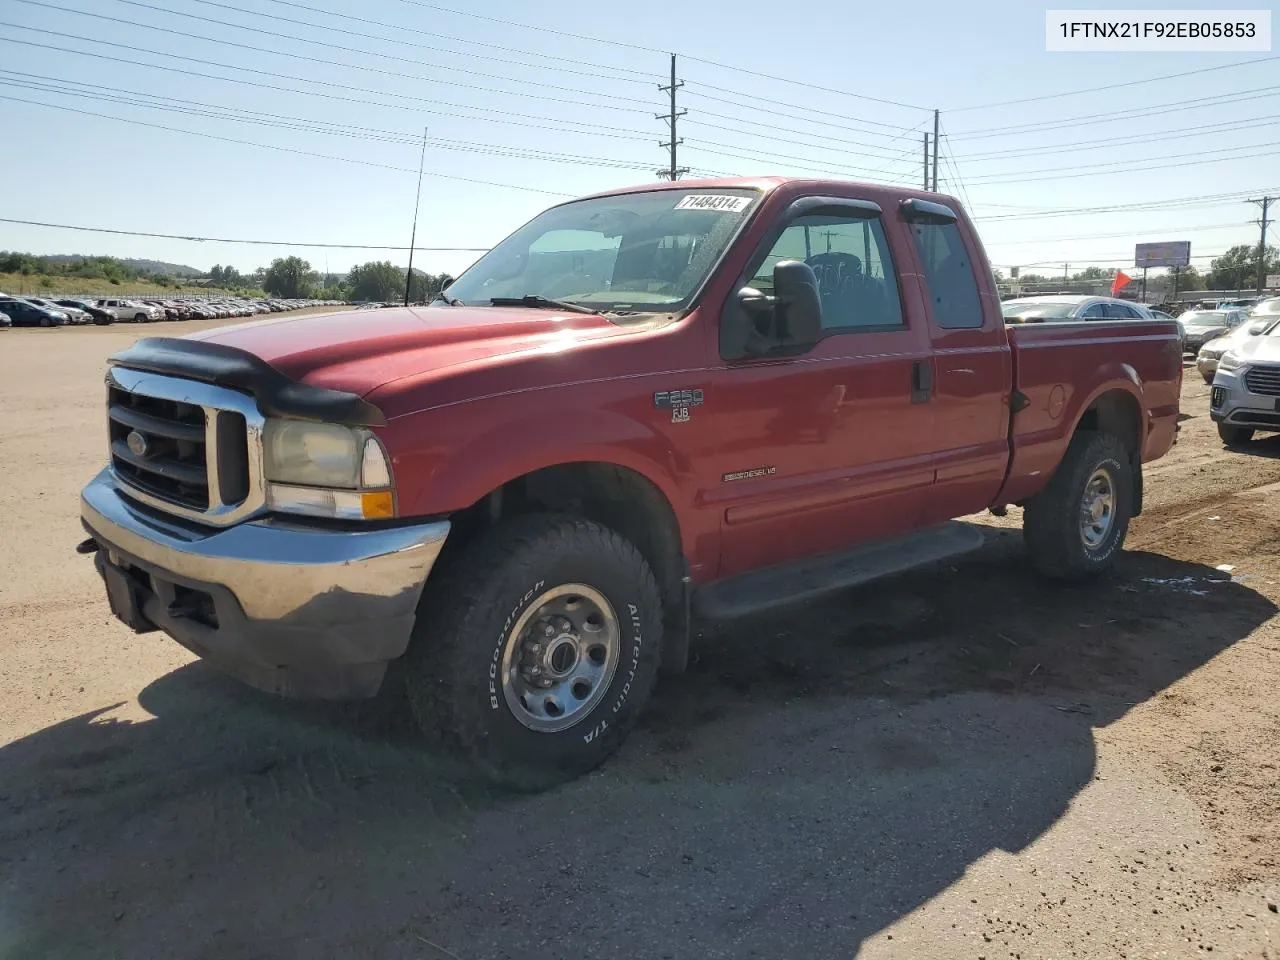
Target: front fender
[{"x": 452, "y": 476}]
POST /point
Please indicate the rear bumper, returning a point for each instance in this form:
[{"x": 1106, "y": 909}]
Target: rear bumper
[{"x": 294, "y": 609}]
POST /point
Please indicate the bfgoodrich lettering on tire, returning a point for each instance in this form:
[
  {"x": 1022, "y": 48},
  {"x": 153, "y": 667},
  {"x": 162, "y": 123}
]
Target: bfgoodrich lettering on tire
[
  {"x": 535, "y": 652},
  {"x": 1075, "y": 526}
]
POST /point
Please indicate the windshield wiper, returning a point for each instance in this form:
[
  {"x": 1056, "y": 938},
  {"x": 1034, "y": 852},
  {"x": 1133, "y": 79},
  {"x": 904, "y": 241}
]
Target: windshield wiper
[
  {"x": 544, "y": 303},
  {"x": 451, "y": 301}
]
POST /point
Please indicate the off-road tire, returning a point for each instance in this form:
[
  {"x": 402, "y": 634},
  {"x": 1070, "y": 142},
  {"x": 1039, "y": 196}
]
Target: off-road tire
[
  {"x": 1235, "y": 436},
  {"x": 1051, "y": 521},
  {"x": 452, "y": 670}
]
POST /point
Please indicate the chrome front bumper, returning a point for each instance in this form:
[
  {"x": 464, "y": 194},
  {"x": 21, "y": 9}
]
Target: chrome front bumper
[
  {"x": 293, "y": 608},
  {"x": 1232, "y": 402}
]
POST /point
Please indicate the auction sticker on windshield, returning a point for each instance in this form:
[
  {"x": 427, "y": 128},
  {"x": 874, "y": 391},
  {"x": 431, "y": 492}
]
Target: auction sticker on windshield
[{"x": 714, "y": 201}]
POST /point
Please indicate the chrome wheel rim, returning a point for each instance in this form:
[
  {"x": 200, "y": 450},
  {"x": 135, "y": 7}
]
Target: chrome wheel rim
[
  {"x": 560, "y": 656},
  {"x": 1097, "y": 508}
]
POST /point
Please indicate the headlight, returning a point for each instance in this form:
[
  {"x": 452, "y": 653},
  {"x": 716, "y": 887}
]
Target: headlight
[
  {"x": 327, "y": 470},
  {"x": 1207, "y": 354},
  {"x": 1230, "y": 361}
]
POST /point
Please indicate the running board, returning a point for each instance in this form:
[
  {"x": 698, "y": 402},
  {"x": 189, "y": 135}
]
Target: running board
[{"x": 813, "y": 577}]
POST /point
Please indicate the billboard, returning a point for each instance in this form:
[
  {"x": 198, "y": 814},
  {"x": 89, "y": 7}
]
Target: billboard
[{"x": 1174, "y": 253}]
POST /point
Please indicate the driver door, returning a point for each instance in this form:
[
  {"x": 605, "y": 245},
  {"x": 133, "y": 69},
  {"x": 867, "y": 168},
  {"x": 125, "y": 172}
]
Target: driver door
[{"x": 824, "y": 450}]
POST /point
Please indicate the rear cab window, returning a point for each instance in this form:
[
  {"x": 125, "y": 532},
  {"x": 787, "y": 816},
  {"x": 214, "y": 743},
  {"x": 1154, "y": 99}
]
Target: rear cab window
[{"x": 950, "y": 281}]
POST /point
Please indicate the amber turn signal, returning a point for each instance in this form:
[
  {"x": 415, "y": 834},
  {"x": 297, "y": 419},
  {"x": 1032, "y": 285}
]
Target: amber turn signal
[{"x": 377, "y": 505}]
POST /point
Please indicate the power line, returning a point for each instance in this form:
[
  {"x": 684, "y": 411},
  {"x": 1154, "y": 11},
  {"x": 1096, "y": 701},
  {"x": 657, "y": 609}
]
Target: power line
[
  {"x": 698, "y": 85},
  {"x": 350, "y": 66},
  {"x": 1148, "y": 206},
  {"x": 268, "y": 146},
  {"x": 635, "y": 46},
  {"x": 196, "y": 108},
  {"x": 1204, "y": 228},
  {"x": 418, "y": 107},
  {"x": 1127, "y": 140},
  {"x": 1128, "y": 113},
  {"x": 399, "y": 27},
  {"x": 1090, "y": 169},
  {"x": 261, "y": 243},
  {"x": 1113, "y": 86},
  {"x": 595, "y": 68}
]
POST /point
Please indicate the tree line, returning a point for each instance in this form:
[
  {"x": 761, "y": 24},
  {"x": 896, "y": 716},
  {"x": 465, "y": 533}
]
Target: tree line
[{"x": 379, "y": 281}]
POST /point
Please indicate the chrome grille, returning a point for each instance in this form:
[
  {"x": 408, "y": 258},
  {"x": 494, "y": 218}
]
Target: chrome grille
[
  {"x": 1264, "y": 380},
  {"x": 158, "y": 446},
  {"x": 185, "y": 447}
]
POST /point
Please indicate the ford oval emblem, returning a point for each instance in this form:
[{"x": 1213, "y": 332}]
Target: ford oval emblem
[{"x": 137, "y": 444}]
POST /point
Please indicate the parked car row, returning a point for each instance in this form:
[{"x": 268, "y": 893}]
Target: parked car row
[
  {"x": 1262, "y": 320},
  {"x": 42, "y": 312}
]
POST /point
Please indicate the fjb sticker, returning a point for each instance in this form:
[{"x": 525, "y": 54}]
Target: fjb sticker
[
  {"x": 678, "y": 402},
  {"x": 714, "y": 201}
]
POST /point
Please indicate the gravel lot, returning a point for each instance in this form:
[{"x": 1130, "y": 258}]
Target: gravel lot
[{"x": 966, "y": 762}]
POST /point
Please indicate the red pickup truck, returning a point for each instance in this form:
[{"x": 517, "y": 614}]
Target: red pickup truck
[{"x": 696, "y": 399}]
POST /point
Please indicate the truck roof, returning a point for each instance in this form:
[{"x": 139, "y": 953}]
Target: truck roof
[{"x": 767, "y": 184}]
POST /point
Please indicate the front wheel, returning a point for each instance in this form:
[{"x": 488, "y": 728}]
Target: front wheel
[
  {"x": 1234, "y": 436},
  {"x": 1076, "y": 525},
  {"x": 536, "y": 651},
  {"x": 140, "y": 318}
]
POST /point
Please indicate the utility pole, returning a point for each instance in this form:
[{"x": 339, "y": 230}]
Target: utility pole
[
  {"x": 413, "y": 236},
  {"x": 673, "y": 172},
  {"x": 926, "y": 161},
  {"x": 1064, "y": 272},
  {"x": 1265, "y": 203},
  {"x": 935, "y": 151}
]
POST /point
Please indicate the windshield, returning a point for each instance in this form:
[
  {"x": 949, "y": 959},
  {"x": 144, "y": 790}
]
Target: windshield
[
  {"x": 1267, "y": 308},
  {"x": 638, "y": 252},
  {"x": 1045, "y": 310},
  {"x": 1205, "y": 318}
]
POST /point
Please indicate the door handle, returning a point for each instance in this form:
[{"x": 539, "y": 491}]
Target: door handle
[{"x": 921, "y": 381}]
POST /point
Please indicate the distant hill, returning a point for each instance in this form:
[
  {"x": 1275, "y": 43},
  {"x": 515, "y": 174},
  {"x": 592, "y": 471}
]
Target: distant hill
[{"x": 156, "y": 267}]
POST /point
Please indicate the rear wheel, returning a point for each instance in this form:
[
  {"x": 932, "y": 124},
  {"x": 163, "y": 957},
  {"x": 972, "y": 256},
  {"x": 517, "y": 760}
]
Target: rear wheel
[
  {"x": 1076, "y": 525},
  {"x": 1234, "y": 436},
  {"x": 536, "y": 651}
]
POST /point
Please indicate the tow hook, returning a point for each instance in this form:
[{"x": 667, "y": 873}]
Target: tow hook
[{"x": 87, "y": 546}]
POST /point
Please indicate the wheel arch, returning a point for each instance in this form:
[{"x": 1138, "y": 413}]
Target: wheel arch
[
  {"x": 1117, "y": 409},
  {"x": 624, "y": 499}
]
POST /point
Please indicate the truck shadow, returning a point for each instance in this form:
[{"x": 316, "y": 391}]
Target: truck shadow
[{"x": 816, "y": 776}]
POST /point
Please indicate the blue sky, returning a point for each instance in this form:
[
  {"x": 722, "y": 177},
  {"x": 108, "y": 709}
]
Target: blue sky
[{"x": 525, "y": 105}]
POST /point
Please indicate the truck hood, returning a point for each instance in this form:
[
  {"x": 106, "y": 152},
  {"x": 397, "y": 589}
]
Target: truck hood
[{"x": 360, "y": 350}]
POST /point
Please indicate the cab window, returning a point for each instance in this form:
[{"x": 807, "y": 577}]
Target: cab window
[
  {"x": 850, "y": 257},
  {"x": 949, "y": 276}
]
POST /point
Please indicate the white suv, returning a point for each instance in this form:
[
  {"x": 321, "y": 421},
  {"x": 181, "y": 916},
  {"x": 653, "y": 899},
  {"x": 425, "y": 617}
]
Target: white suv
[{"x": 129, "y": 310}]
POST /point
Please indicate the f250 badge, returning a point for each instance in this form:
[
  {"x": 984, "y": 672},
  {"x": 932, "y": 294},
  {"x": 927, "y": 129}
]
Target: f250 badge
[{"x": 679, "y": 402}]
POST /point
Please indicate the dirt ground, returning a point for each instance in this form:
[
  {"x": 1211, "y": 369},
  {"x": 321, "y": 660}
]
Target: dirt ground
[{"x": 964, "y": 762}]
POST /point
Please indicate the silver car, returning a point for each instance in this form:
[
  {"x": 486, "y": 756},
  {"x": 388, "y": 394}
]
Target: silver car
[
  {"x": 1205, "y": 325},
  {"x": 1211, "y": 352},
  {"x": 1245, "y": 396},
  {"x": 1068, "y": 307}
]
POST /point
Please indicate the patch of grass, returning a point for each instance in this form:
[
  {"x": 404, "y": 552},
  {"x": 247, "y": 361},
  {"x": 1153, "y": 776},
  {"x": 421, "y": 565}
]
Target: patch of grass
[{"x": 34, "y": 285}]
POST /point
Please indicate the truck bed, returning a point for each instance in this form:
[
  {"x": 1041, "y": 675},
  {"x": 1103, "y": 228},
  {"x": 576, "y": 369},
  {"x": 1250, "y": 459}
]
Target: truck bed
[{"x": 1061, "y": 369}]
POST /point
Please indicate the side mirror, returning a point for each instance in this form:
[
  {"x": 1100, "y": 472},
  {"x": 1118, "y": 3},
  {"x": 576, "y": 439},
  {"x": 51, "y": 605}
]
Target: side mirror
[
  {"x": 1257, "y": 327},
  {"x": 799, "y": 305}
]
